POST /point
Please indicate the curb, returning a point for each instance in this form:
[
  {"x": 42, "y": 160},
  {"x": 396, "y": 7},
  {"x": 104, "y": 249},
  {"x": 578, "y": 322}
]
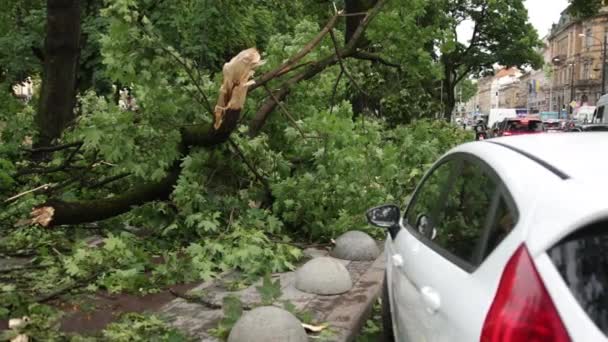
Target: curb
[{"x": 350, "y": 316}]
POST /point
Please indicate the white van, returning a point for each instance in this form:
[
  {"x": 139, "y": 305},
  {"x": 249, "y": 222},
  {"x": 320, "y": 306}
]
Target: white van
[
  {"x": 499, "y": 114},
  {"x": 584, "y": 114},
  {"x": 599, "y": 113}
]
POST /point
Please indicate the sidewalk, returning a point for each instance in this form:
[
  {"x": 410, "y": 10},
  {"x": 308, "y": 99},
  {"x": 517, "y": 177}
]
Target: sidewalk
[{"x": 345, "y": 314}]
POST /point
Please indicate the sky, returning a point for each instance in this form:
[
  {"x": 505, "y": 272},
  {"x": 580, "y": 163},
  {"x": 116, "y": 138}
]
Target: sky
[{"x": 542, "y": 14}]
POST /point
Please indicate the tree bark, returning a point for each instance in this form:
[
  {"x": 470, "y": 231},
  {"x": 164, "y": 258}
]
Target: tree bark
[
  {"x": 61, "y": 51},
  {"x": 358, "y": 101},
  {"x": 449, "y": 87},
  {"x": 355, "y": 11}
]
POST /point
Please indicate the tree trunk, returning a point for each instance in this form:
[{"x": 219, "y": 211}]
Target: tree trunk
[
  {"x": 61, "y": 51},
  {"x": 448, "y": 88},
  {"x": 358, "y": 101},
  {"x": 450, "y": 101},
  {"x": 353, "y": 21}
]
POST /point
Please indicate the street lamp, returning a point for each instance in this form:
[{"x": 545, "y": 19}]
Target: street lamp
[{"x": 603, "y": 58}]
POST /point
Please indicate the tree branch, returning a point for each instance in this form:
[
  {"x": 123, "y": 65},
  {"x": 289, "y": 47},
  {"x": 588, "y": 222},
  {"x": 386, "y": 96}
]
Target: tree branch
[
  {"x": 54, "y": 148},
  {"x": 343, "y": 66},
  {"x": 375, "y": 58},
  {"x": 316, "y": 67},
  {"x": 285, "y": 67},
  {"x": 333, "y": 93},
  {"x": 285, "y": 111}
]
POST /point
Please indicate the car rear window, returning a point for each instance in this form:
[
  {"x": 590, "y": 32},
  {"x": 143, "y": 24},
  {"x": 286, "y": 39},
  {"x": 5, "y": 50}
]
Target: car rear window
[
  {"x": 582, "y": 261},
  {"x": 524, "y": 126}
]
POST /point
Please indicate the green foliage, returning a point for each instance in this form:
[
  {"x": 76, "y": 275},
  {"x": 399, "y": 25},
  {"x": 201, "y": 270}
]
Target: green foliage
[
  {"x": 233, "y": 310},
  {"x": 138, "y": 327},
  {"x": 584, "y": 8},
  {"x": 270, "y": 290},
  {"x": 347, "y": 172}
]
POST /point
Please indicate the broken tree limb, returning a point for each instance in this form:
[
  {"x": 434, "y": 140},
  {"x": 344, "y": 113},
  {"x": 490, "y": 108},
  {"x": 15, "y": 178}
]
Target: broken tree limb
[
  {"x": 343, "y": 66},
  {"x": 53, "y": 148},
  {"x": 42, "y": 187},
  {"x": 260, "y": 117},
  {"x": 285, "y": 111},
  {"x": 375, "y": 58},
  {"x": 237, "y": 74},
  {"x": 334, "y": 91},
  {"x": 287, "y": 66}
]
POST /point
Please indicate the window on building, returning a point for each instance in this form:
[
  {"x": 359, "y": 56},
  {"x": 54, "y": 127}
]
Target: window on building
[
  {"x": 586, "y": 71},
  {"x": 588, "y": 38}
]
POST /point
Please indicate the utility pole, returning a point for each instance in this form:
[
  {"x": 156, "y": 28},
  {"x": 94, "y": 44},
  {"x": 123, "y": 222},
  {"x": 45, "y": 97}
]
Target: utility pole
[
  {"x": 604, "y": 65},
  {"x": 570, "y": 109}
]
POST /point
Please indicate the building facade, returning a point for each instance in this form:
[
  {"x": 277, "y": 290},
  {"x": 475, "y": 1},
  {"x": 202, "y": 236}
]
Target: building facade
[{"x": 576, "y": 50}]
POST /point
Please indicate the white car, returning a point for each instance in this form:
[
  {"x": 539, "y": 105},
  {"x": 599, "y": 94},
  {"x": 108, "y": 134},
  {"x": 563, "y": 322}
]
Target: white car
[{"x": 503, "y": 240}]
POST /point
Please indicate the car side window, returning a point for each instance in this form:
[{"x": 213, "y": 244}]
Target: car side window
[
  {"x": 464, "y": 218},
  {"x": 421, "y": 213}
]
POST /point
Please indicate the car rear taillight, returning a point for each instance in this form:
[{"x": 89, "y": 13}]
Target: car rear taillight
[{"x": 522, "y": 309}]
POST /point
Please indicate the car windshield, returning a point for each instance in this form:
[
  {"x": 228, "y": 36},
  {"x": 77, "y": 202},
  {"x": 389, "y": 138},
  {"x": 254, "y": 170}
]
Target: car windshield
[{"x": 524, "y": 126}]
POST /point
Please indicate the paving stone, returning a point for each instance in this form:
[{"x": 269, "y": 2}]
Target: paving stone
[
  {"x": 192, "y": 319},
  {"x": 268, "y": 324},
  {"x": 355, "y": 245},
  {"x": 324, "y": 276}
]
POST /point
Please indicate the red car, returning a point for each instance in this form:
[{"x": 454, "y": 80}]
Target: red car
[{"x": 519, "y": 126}]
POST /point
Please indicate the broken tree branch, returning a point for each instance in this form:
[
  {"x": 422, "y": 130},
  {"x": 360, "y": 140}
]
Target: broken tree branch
[
  {"x": 334, "y": 91},
  {"x": 237, "y": 74},
  {"x": 260, "y": 117},
  {"x": 42, "y": 187},
  {"x": 343, "y": 66},
  {"x": 184, "y": 66},
  {"x": 65, "y": 289},
  {"x": 108, "y": 180},
  {"x": 375, "y": 58},
  {"x": 250, "y": 166},
  {"x": 285, "y": 67},
  {"x": 285, "y": 111},
  {"x": 53, "y": 148}
]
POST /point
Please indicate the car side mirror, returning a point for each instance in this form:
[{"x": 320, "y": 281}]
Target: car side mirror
[{"x": 384, "y": 216}]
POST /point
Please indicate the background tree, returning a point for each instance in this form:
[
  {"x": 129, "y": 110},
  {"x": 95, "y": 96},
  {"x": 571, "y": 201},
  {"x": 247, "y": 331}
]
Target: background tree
[
  {"x": 501, "y": 35},
  {"x": 584, "y": 8},
  {"x": 465, "y": 90}
]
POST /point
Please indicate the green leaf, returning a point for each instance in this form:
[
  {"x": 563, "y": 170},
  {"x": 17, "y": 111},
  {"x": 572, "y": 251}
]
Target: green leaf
[{"x": 269, "y": 291}]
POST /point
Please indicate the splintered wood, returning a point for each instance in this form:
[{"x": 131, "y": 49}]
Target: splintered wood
[
  {"x": 42, "y": 216},
  {"x": 238, "y": 74}
]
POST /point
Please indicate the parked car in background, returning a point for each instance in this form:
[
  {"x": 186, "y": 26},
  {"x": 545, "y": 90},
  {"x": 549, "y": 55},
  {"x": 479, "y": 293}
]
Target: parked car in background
[
  {"x": 588, "y": 128},
  {"x": 502, "y": 240},
  {"x": 553, "y": 126},
  {"x": 519, "y": 126}
]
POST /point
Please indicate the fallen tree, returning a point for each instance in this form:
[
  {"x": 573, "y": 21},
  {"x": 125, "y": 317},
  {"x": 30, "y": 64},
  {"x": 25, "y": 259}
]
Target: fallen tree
[{"x": 237, "y": 81}]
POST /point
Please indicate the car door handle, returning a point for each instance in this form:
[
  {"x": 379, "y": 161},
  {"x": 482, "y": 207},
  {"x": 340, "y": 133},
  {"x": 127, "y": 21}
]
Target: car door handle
[
  {"x": 431, "y": 299},
  {"x": 397, "y": 260}
]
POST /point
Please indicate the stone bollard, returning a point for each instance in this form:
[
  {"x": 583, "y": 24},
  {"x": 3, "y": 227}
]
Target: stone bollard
[
  {"x": 268, "y": 324},
  {"x": 355, "y": 246},
  {"x": 323, "y": 276}
]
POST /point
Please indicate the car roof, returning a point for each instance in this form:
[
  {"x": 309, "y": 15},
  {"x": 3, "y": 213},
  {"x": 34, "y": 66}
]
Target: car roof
[{"x": 577, "y": 156}]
